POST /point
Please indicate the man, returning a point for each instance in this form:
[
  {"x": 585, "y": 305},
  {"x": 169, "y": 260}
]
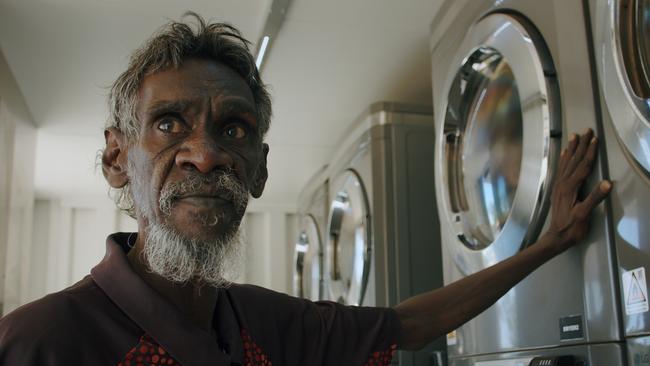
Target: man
[{"x": 185, "y": 145}]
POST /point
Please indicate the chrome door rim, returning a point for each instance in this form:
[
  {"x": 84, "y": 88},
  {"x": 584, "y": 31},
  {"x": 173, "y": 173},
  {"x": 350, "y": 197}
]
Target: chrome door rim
[
  {"x": 350, "y": 203},
  {"x": 630, "y": 113},
  {"x": 307, "y": 275},
  {"x": 532, "y": 67}
]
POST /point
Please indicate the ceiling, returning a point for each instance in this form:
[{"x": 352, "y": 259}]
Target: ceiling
[{"x": 331, "y": 60}]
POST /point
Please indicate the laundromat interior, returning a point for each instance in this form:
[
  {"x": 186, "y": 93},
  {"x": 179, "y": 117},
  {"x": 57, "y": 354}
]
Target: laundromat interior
[{"x": 412, "y": 144}]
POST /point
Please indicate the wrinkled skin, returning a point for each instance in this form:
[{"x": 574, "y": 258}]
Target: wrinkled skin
[{"x": 198, "y": 119}]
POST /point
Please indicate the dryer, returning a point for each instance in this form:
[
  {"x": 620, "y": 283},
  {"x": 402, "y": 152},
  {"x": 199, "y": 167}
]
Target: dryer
[
  {"x": 511, "y": 80},
  {"x": 382, "y": 221},
  {"x": 621, "y": 38},
  {"x": 313, "y": 205}
]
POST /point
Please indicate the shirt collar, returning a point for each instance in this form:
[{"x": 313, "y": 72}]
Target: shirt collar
[{"x": 159, "y": 318}]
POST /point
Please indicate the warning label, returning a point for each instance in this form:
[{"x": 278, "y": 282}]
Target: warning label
[{"x": 635, "y": 291}]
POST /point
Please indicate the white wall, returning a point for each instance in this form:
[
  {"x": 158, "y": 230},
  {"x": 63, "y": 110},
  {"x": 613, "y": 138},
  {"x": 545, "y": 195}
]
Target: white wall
[
  {"x": 269, "y": 248},
  {"x": 19, "y": 230},
  {"x": 69, "y": 239},
  {"x": 17, "y": 154}
]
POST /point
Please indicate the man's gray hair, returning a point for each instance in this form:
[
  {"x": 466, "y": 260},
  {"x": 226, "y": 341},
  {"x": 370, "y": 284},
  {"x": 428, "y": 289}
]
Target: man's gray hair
[{"x": 169, "y": 47}]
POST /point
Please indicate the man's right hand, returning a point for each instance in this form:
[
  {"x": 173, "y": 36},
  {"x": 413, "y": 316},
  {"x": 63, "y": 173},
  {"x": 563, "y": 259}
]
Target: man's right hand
[{"x": 569, "y": 215}]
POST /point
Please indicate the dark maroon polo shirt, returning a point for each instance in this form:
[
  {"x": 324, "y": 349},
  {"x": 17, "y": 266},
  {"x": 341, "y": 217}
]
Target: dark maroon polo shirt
[{"x": 112, "y": 317}]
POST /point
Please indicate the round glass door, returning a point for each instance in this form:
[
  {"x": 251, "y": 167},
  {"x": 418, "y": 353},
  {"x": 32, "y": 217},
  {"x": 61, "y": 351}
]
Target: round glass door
[
  {"x": 307, "y": 260},
  {"x": 348, "y": 249},
  {"x": 627, "y": 58},
  {"x": 498, "y": 142},
  {"x": 484, "y": 146}
]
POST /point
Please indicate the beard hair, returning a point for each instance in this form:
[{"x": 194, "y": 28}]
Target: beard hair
[{"x": 181, "y": 259}]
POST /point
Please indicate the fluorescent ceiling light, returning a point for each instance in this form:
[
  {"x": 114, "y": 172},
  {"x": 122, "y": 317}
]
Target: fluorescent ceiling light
[{"x": 260, "y": 54}]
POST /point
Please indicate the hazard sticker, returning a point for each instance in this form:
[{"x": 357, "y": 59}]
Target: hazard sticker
[{"x": 635, "y": 291}]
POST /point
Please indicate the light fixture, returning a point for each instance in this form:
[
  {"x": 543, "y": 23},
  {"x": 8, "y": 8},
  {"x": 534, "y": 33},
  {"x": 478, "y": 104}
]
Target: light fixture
[
  {"x": 262, "y": 51},
  {"x": 277, "y": 12}
]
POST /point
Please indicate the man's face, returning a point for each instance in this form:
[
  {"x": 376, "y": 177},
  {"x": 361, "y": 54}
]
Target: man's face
[{"x": 197, "y": 123}]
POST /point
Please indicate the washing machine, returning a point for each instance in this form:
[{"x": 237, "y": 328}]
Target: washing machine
[
  {"x": 313, "y": 206},
  {"x": 382, "y": 226},
  {"x": 511, "y": 81},
  {"x": 621, "y": 39}
]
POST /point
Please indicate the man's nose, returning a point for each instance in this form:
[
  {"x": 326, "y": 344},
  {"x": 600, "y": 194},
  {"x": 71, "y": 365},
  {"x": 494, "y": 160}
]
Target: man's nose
[{"x": 202, "y": 152}]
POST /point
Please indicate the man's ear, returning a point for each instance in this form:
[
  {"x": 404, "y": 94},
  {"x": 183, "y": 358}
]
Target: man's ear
[
  {"x": 114, "y": 158},
  {"x": 261, "y": 174}
]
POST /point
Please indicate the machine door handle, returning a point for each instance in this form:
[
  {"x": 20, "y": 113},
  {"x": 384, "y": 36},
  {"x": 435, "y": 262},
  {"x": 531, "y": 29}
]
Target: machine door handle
[
  {"x": 554, "y": 361},
  {"x": 339, "y": 206}
]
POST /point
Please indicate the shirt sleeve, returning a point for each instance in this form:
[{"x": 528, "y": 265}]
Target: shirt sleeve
[
  {"x": 22, "y": 335},
  {"x": 300, "y": 332}
]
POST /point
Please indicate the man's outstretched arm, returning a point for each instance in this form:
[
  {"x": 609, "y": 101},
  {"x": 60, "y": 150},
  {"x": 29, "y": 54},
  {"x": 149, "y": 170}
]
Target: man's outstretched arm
[{"x": 427, "y": 316}]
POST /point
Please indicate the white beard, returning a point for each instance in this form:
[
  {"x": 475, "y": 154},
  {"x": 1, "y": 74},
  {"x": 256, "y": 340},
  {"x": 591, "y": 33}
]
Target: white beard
[{"x": 177, "y": 258}]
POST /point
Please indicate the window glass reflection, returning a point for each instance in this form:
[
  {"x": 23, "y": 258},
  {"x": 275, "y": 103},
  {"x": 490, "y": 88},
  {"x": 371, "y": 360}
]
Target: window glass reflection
[{"x": 484, "y": 133}]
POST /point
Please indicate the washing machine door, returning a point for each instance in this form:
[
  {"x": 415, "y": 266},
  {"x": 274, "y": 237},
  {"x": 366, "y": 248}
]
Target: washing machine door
[
  {"x": 626, "y": 79},
  {"x": 307, "y": 274},
  {"x": 347, "y": 262},
  {"x": 498, "y": 142}
]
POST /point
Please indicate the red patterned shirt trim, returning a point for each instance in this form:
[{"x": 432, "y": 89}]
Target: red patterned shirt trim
[
  {"x": 382, "y": 358},
  {"x": 148, "y": 352},
  {"x": 253, "y": 354}
]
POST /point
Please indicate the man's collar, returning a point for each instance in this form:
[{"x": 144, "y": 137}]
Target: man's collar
[{"x": 159, "y": 318}]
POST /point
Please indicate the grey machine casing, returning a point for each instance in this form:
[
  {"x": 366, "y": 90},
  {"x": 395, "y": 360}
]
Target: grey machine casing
[
  {"x": 569, "y": 306},
  {"x": 625, "y": 114},
  {"x": 390, "y": 235}
]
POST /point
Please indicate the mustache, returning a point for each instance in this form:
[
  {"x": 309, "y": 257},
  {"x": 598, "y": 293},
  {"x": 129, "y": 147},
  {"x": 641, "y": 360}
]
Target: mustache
[{"x": 223, "y": 184}]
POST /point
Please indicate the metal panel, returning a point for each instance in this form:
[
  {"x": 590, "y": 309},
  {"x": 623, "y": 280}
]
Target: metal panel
[
  {"x": 630, "y": 197},
  {"x": 584, "y": 355},
  {"x": 638, "y": 351},
  {"x": 579, "y": 282},
  {"x": 393, "y": 156}
]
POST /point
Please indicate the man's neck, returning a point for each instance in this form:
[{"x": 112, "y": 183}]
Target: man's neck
[{"x": 196, "y": 301}]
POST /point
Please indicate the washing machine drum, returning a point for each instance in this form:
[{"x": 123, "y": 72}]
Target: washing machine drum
[
  {"x": 626, "y": 77},
  {"x": 498, "y": 142},
  {"x": 307, "y": 273},
  {"x": 348, "y": 248}
]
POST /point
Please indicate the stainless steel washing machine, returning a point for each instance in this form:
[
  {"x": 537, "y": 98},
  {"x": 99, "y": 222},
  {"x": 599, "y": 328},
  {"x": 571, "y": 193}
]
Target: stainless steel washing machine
[
  {"x": 382, "y": 221},
  {"x": 621, "y": 38},
  {"x": 511, "y": 81},
  {"x": 313, "y": 206}
]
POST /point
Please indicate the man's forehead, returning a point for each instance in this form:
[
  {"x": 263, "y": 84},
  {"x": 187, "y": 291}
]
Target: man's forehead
[
  {"x": 195, "y": 79},
  {"x": 224, "y": 103}
]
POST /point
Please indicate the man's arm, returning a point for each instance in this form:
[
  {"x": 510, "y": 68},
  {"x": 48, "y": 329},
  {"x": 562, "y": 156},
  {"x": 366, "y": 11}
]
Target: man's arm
[{"x": 427, "y": 316}]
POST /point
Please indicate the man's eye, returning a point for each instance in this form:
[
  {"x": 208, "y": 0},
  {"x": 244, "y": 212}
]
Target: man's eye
[
  {"x": 170, "y": 126},
  {"x": 235, "y": 132}
]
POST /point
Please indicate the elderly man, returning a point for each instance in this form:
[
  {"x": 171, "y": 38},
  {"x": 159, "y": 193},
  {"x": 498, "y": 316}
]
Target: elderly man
[{"x": 185, "y": 145}]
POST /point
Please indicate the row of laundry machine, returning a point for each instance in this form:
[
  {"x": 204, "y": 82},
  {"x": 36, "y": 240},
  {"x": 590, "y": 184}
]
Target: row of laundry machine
[
  {"x": 368, "y": 218},
  {"x": 416, "y": 198}
]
